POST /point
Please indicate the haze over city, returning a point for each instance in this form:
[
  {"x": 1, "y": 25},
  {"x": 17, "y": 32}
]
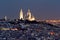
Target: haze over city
[{"x": 41, "y": 9}]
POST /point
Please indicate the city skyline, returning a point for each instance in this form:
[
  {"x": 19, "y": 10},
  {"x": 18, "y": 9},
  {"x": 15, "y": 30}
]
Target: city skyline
[{"x": 41, "y": 9}]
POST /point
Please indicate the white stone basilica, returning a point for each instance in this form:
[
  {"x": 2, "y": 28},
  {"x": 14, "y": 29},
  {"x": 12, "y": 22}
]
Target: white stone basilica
[{"x": 29, "y": 16}]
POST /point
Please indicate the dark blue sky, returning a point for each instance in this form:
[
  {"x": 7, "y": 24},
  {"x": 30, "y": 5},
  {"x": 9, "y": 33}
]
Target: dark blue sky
[{"x": 41, "y": 9}]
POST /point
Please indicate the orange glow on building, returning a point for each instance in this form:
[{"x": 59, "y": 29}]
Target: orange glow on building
[
  {"x": 52, "y": 20},
  {"x": 29, "y": 16},
  {"x": 14, "y": 29},
  {"x": 52, "y": 33}
]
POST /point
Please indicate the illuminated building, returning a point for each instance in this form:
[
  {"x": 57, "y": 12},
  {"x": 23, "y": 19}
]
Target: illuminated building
[
  {"x": 28, "y": 17},
  {"x": 54, "y": 22},
  {"x": 21, "y": 15},
  {"x": 5, "y": 17}
]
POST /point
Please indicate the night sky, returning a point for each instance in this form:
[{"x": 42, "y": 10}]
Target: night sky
[{"x": 41, "y": 9}]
